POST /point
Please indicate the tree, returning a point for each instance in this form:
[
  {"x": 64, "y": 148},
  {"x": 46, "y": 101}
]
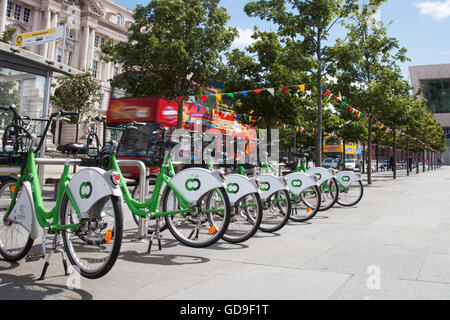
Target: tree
[
  {"x": 305, "y": 27},
  {"x": 362, "y": 62},
  {"x": 79, "y": 93},
  {"x": 174, "y": 48}
]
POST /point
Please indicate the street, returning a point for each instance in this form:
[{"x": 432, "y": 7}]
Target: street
[{"x": 393, "y": 245}]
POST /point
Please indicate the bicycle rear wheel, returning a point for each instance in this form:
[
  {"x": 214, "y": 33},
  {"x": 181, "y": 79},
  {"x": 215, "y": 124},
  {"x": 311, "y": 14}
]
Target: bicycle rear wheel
[
  {"x": 306, "y": 205},
  {"x": 351, "y": 195},
  {"x": 205, "y": 224},
  {"x": 94, "y": 246},
  {"x": 277, "y": 210},
  {"x": 15, "y": 240},
  {"x": 245, "y": 219},
  {"x": 330, "y": 193}
]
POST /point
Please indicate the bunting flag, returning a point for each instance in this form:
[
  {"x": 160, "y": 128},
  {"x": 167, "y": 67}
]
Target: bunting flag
[
  {"x": 257, "y": 91},
  {"x": 285, "y": 89},
  {"x": 244, "y": 93},
  {"x": 219, "y": 97},
  {"x": 271, "y": 91},
  {"x": 231, "y": 95},
  {"x": 203, "y": 98},
  {"x": 302, "y": 87}
]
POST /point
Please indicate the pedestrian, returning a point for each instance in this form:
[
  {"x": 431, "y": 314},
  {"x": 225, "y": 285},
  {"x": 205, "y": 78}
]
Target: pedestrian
[
  {"x": 391, "y": 163},
  {"x": 410, "y": 162}
]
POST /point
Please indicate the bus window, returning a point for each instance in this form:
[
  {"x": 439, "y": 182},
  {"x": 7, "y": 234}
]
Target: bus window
[{"x": 137, "y": 141}]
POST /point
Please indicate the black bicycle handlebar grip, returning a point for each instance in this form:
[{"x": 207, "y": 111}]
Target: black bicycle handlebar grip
[
  {"x": 100, "y": 119},
  {"x": 68, "y": 113}
]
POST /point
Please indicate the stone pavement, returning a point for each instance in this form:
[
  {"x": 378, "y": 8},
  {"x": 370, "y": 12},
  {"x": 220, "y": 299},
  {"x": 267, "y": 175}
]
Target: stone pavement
[{"x": 393, "y": 245}]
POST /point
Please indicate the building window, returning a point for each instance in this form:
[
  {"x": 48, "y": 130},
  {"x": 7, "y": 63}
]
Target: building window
[
  {"x": 102, "y": 41},
  {"x": 59, "y": 56},
  {"x": 71, "y": 34},
  {"x": 437, "y": 92},
  {"x": 69, "y": 58},
  {"x": 116, "y": 71},
  {"x": 17, "y": 11},
  {"x": 119, "y": 19},
  {"x": 94, "y": 68},
  {"x": 96, "y": 40},
  {"x": 9, "y": 9},
  {"x": 26, "y": 15}
]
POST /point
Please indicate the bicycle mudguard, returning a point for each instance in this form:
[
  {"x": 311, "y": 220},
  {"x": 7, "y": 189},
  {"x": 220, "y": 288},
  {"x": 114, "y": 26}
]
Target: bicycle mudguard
[
  {"x": 238, "y": 186},
  {"x": 347, "y": 177},
  {"x": 192, "y": 183},
  {"x": 297, "y": 182},
  {"x": 269, "y": 184},
  {"x": 90, "y": 185},
  {"x": 23, "y": 211},
  {"x": 321, "y": 173}
]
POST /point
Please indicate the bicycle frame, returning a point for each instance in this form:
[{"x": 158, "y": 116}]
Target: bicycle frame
[
  {"x": 151, "y": 206},
  {"x": 45, "y": 218}
]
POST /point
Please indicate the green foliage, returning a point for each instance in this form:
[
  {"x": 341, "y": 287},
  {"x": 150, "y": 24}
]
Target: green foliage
[
  {"x": 7, "y": 35},
  {"x": 178, "y": 42}
]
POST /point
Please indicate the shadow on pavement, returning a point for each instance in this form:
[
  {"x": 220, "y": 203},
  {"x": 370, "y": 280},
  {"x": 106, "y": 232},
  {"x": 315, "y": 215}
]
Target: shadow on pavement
[
  {"x": 24, "y": 287},
  {"x": 161, "y": 258}
]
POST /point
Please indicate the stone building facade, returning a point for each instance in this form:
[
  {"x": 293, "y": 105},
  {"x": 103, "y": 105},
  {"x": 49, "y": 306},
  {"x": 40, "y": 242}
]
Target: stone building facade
[
  {"x": 434, "y": 80},
  {"x": 89, "y": 24}
]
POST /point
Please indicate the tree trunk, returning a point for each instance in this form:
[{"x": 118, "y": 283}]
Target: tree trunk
[
  {"x": 180, "y": 113},
  {"x": 369, "y": 153},
  {"x": 319, "y": 100},
  {"x": 407, "y": 157},
  {"x": 394, "y": 161},
  {"x": 343, "y": 154}
]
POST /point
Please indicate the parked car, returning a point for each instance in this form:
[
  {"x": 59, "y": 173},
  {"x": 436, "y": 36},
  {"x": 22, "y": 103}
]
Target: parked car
[
  {"x": 332, "y": 163},
  {"x": 353, "y": 164}
]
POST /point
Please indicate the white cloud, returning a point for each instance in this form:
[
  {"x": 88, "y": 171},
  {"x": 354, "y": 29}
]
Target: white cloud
[
  {"x": 437, "y": 10},
  {"x": 244, "y": 39}
]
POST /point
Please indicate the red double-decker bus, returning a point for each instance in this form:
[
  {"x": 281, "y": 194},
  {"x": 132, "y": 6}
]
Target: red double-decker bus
[{"x": 157, "y": 112}]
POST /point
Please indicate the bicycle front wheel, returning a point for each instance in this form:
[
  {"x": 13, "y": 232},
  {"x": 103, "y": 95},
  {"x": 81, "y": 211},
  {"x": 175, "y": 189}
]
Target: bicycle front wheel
[
  {"x": 246, "y": 217},
  {"x": 351, "y": 195},
  {"x": 93, "y": 247},
  {"x": 15, "y": 241},
  {"x": 306, "y": 205},
  {"x": 205, "y": 224},
  {"x": 277, "y": 210},
  {"x": 330, "y": 193}
]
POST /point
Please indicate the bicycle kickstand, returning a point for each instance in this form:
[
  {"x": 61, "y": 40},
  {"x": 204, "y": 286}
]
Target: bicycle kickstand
[
  {"x": 57, "y": 248},
  {"x": 156, "y": 232}
]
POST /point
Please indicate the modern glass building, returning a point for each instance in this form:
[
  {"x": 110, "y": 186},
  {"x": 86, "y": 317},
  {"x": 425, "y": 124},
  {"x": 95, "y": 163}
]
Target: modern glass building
[{"x": 435, "y": 83}]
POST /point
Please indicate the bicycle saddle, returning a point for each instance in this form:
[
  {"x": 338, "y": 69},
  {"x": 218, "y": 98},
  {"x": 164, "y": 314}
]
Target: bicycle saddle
[{"x": 74, "y": 148}]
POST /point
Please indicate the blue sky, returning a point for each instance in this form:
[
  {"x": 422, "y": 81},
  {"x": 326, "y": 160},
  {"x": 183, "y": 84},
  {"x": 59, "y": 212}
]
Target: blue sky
[{"x": 422, "y": 26}]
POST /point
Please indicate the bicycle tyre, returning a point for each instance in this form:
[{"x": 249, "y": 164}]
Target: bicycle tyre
[
  {"x": 357, "y": 198},
  {"x": 184, "y": 226},
  {"x": 309, "y": 205},
  {"x": 329, "y": 198},
  {"x": 283, "y": 215},
  {"x": 80, "y": 243},
  {"x": 253, "y": 219},
  {"x": 12, "y": 236}
]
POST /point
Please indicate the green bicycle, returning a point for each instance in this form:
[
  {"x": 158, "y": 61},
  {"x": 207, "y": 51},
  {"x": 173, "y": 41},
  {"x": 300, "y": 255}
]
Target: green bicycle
[
  {"x": 182, "y": 199},
  {"x": 87, "y": 214}
]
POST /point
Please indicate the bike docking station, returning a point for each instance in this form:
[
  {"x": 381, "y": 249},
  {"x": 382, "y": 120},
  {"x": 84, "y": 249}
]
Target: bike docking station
[{"x": 143, "y": 188}]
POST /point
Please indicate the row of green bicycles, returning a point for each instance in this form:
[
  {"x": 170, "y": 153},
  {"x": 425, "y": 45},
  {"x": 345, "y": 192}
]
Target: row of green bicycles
[{"x": 200, "y": 205}]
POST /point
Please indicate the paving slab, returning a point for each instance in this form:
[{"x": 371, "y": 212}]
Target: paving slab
[
  {"x": 399, "y": 262},
  {"x": 264, "y": 282},
  {"x": 365, "y": 288}
]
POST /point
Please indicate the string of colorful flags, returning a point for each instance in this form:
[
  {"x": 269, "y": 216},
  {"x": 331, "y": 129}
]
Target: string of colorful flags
[{"x": 285, "y": 89}]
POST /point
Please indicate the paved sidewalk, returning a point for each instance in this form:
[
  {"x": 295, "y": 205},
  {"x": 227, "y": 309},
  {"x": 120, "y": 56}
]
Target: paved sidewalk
[{"x": 393, "y": 245}]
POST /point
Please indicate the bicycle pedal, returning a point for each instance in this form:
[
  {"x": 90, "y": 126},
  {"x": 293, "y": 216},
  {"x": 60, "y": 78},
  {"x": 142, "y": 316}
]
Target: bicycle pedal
[{"x": 34, "y": 257}]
